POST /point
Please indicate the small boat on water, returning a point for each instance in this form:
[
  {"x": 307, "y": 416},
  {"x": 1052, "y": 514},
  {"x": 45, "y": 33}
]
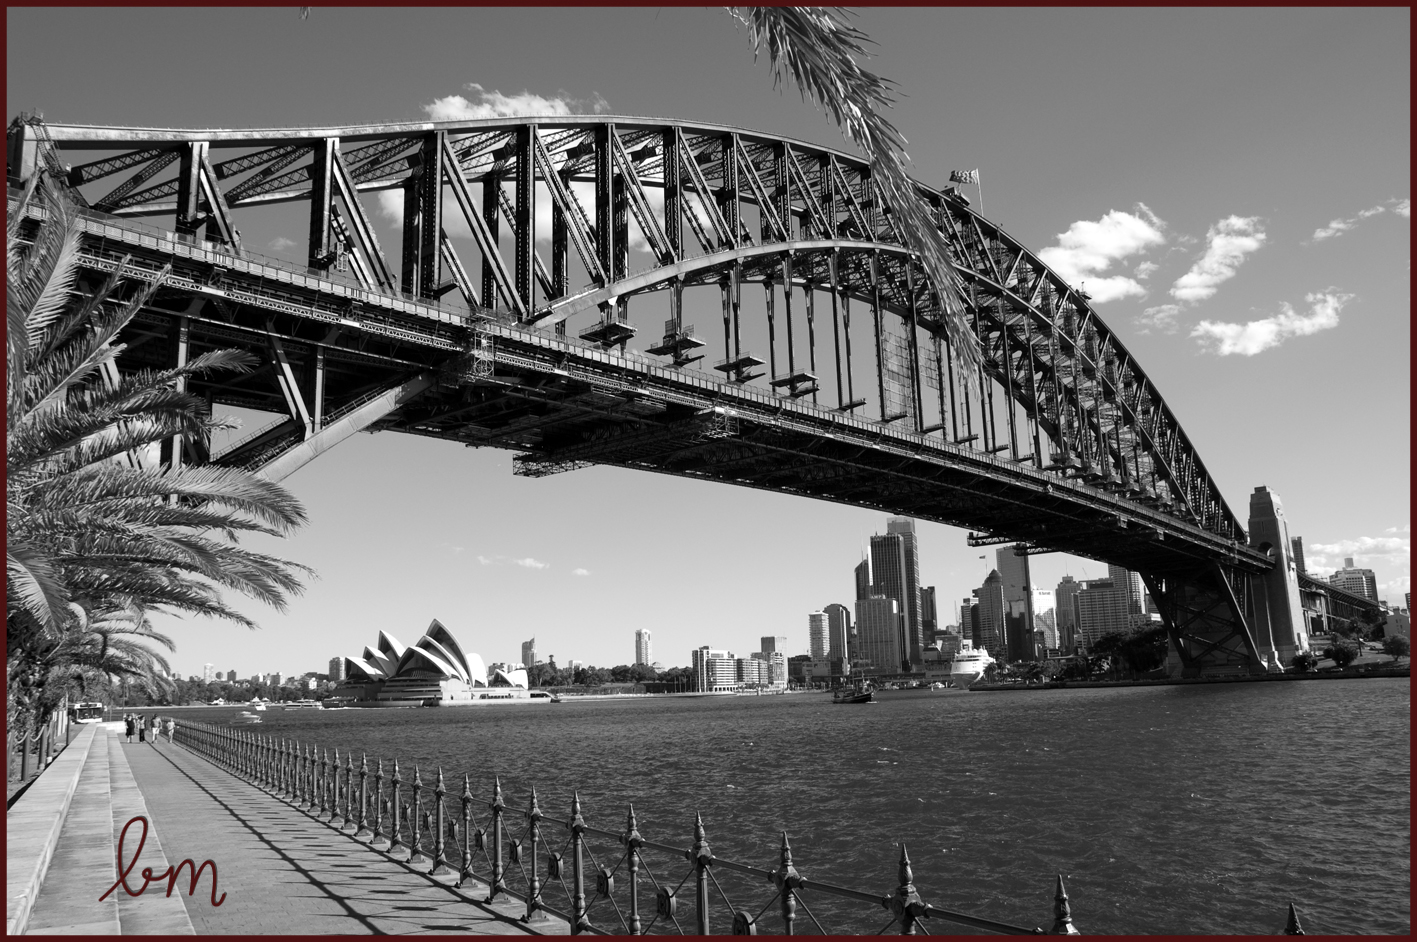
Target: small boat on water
[
  {"x": 857, "y": 690},
  {"x": 301, "y": 705},
  {"x": 245, "y": 716}
]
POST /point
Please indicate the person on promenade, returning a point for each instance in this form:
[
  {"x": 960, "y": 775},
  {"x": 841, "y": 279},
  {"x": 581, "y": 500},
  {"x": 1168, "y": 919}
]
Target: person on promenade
[
  {"x": 129, "y": 726},
  {"x": 142, "y": 728},
  {"x": 170, "y": 726}
]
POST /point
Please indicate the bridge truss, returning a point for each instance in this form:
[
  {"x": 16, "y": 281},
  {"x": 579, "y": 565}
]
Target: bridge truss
[{"x": 492, "y": 331}]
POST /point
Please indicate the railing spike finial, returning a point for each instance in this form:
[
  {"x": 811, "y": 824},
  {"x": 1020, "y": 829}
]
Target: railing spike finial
[
  {"x": 1062, "y": 912},
  {"x": 1292, "y": 927}
]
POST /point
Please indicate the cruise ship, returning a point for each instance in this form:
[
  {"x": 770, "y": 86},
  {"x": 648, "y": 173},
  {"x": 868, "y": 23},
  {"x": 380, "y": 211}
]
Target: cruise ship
[
  {"x": 969, "y": 664},
  {"x": 434, "y": 672}
]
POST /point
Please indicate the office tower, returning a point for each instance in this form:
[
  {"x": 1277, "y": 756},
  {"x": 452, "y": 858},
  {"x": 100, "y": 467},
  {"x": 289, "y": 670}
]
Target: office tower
[
  {"x": 1065, "y": 613},
  {"x": 1296, "y": 546},
  {"x": 929, "y": 614},
  {"x": 643, "y": 654},
  {"x": 714, "y": 669},
  {"x": 1045, "y": 618},
  {"x": 336, "y": 669},
  {"x": 991, "y": 616},
  {"x": 273, "y": 679},
  {"x": 817, "y": 634},
  {"x": 771, "y": 643},
  {"x": 529, "y": 653},
  {"x": 895, "y": 574},
  {"x": 1129, "y": 584},
  {"x": 838, "y": 631},
  {"x": 1103, "y": 608},
  {"x": 976, "y": 633},
  {"x": 863, "y": 579},
  {"x": 1358, "y": 581},
  {"x": 880, "y": 642},
  {"x": 208, "y": 673},
  {"x": 1018, "y": 613}
]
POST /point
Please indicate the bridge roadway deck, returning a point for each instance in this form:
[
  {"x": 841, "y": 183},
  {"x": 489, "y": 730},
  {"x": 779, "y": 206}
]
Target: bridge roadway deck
[{"x": 283, "y": 872}]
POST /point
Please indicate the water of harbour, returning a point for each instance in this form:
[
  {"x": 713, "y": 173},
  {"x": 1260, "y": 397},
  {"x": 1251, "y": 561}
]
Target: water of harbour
[{"x": 1173, "y": 809}]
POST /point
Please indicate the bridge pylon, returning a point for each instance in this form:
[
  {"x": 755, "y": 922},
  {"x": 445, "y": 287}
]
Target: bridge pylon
[{"x": 1278, "y": 610}]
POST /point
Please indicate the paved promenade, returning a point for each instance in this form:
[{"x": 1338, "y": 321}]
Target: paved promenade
[{"x": 282, "y": 870}]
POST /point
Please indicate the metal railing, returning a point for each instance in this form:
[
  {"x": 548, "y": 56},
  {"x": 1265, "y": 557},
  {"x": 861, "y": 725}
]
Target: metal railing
[
  {"x": 599, "y": 880},
  {"x": 29, "y": 748}
]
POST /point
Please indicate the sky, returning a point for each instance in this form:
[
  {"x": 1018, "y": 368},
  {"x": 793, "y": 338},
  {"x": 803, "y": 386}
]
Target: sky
[{"x": 1231, "y": 186}]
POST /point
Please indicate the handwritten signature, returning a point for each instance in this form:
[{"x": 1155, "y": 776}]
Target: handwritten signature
[{"x": 170, "y": 874}]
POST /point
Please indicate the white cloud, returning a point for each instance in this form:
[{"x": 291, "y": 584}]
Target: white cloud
[
  {"x": 486, "y": 561},
  {"x": 1402, "y": 207},
  {"x": 1162, "y": 318},
  {"x": 1145, "y": 270},
  {"x": 1335, "y": 228},
  {"x": 529, "y": 563},
  {"x": 1089, "y": 248},
  {"x": 526, "y": 562},
  {"x": 494, "y": 104},
  {"x": 1257, "y": 336},
  {"x": 1389, "y": 556},
  {"x": 1227, "y": 244},
  {"x": 280, "y": 244},
  {"x": 580, "y": 572}
]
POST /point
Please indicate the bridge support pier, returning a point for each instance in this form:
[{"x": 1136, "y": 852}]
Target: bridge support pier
[{"x": 1278, "y": 615}]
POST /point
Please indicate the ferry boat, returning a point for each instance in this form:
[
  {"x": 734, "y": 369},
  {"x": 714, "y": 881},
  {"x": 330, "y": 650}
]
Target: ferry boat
[
  {"x": 301, "y": 705},
  {"x": 969, "y": 665}
]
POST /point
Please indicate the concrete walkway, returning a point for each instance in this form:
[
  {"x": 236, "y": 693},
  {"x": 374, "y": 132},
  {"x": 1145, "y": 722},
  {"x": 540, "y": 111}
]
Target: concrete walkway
[{"x": 281, "y": 870}]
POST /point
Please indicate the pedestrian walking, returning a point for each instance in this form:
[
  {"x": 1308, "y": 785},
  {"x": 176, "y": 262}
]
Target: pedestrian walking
[
  {"x": 129, "y": 726},
  {"x": 142, "y": 728},
  {"x": 170, "y": 726}
]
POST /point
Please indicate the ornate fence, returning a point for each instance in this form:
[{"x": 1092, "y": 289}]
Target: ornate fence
[
  {"x": 603, "y": 881},
  {"x": 30, "y": 747}
]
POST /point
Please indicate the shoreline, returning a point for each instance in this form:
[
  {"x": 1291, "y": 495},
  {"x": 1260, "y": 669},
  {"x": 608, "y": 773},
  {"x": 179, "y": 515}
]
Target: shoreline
[{"x": 1350, "y": 674}]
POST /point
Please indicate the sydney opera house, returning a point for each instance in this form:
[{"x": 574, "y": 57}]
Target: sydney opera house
[{"x": 433, "y": 672}]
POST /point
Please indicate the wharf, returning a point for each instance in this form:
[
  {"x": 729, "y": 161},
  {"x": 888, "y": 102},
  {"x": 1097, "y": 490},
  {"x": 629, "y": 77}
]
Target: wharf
[{"x": 282, "y": 870}]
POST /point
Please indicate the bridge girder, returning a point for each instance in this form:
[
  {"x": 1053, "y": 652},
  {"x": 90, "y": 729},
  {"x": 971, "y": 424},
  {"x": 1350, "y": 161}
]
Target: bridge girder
[{"x": 1079, "y": 414}]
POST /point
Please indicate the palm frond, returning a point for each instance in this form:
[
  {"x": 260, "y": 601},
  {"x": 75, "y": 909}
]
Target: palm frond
[{"x": 817, "y": 49}]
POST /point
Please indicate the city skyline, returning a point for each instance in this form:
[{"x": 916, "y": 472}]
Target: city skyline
[{"x": 1200, "y": 177}]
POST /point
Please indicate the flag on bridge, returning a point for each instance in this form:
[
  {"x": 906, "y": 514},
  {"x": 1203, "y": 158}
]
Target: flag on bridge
[{"x": 965, "y": 176}]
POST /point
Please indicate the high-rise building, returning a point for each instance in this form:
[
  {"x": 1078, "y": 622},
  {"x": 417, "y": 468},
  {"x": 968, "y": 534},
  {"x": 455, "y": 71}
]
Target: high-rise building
[
  {"x": 895, "y": 574},
  {"x": 208, "y": 673},
  {"x": 1358, "y": 581},
  {"x": 880, "y": 642},
  {"x": 231, "y": 677},
  {"x": 529, "y": 653},
  {"x": 753, "y": 671},
  {"x": 1102, "y": 609},
  {"x": 714, "y": 670},
  {"x": 1130, "y": 585},
  {"x": 991, "y": 616},
  {"x": 771, "y": 643},
  {"x": 817, "y": 640},
  {"x": 336, "y": 669},
  {"x": 1045, "y": 618},
  {"x": 1018, "y": 604},
  {"x": 863, "y": 579},
  {"x": 643, "y": 654},
  {"x": 1065, "y": 613},
  {"x": 929, "y": 613},
  {"x": 1296, "y": 545},
  {"x": 838, "y": 631}
]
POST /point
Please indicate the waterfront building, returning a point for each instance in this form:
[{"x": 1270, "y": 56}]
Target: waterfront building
[
  {"x": 817, "y": 641},
  {"x": 895, "y": 574},
  {"x": 992, "y": 637},
  {"x": 715, "y": 670},
  {"x": 880, "y": 635},
  {"x": 1358, "y": 581},
  {"x": 273, "y": 679},
  {"x": 838, "y": 630},
  {"x": 863, "y": 579},
  {"x": 1017, "y": 588},
  {"x": 231, "y": 677},
  {"x": 1102, "y": 609},
  {"x": 336, "y": 669},
  {"x": 1065, "y": 613},
  {"x": 949, "y": 644},
  {"x": 643, "y": 652},
  {"x": 753, "y": 672},
  {"x": 529, "y": 653},
  {"x": 208, "y": 673}
]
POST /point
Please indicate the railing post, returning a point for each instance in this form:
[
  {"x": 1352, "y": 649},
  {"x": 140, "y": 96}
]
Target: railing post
[
  {"x": 283, "y": 754},
  {"x": 395, "y": 837},
  {"x": 440, "y": 862},
  {"x": 1063, "y": 915},
  {"x": 787, "y": 880},
  {"x": 320, "y": 782},
  {"x": 466, "y": 867},
  {"x": 632, "y": 842},
  {"x": 701, "y": 856},
  {"x": 379, "y": 842},
  {"x": 498, "y": 883},
  {"x": 905, "y": 903},
  {"x": 415, "y": 820},
  {"x": 333, "y": 786},
  {"x": 579, "y": 922},
  {"x": 533, "y": 890},
  {"x": 349, "y": 818},
  {"x": 361, "y": 824}
]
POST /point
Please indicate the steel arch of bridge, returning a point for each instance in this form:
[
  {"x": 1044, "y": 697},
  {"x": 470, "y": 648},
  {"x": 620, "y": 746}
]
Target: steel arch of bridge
[{"x": 716, "y": 206}]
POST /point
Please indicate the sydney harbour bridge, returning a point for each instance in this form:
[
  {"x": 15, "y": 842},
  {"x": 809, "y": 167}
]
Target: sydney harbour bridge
[{"x": 802, "y": 350}]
